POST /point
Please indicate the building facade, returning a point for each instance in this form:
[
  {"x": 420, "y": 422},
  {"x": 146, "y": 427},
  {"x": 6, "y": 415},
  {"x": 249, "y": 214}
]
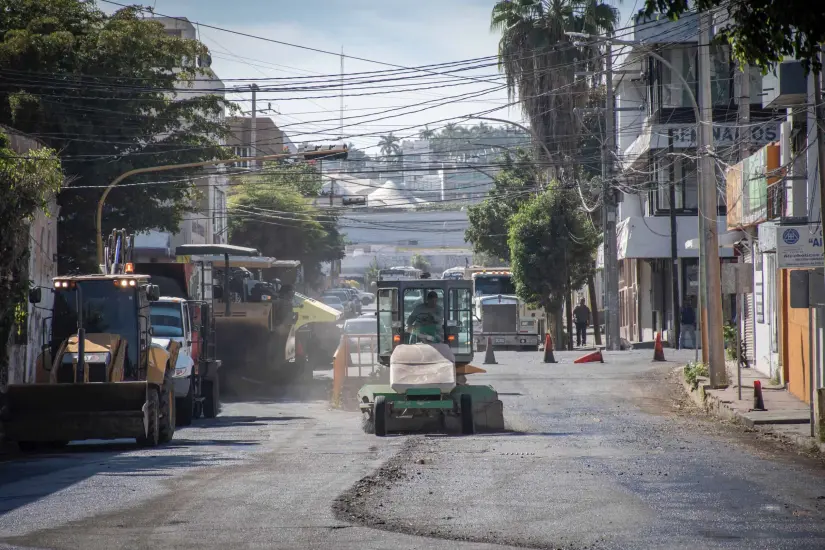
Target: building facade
[
  {"x": 656, "y": 138},
  {"x": 208, "y": 222}
]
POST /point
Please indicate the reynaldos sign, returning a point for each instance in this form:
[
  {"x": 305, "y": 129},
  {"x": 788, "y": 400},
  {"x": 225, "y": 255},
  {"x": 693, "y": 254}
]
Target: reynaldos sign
[
  {"x": 723, "y": 135},
  {"x": 799, "y": 246}
]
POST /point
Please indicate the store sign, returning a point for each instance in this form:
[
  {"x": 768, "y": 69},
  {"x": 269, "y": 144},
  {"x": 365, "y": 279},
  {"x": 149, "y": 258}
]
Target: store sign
[
  {"x": 799, "y": 246},
  {"x": 724, "y": 135}
]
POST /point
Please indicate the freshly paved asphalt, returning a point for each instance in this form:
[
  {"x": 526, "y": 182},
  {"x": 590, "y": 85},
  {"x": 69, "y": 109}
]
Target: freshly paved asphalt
[{"x": 599, "y": 456}]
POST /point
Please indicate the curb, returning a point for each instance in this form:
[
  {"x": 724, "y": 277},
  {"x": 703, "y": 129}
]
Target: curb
[{"x": 714, "y": 406}]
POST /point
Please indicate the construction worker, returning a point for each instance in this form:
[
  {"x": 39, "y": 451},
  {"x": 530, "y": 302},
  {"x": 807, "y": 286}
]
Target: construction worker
[
  {"x": 427, "y": 317},
  {"x": 581, "y": 316}
]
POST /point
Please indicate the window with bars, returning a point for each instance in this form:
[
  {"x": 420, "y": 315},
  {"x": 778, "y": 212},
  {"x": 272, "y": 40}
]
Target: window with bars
[{"x": 243, "y": 152}]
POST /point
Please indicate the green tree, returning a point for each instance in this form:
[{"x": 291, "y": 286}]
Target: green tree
[
  {"x": 761, "y": 32},
  {"x": 272, "y": 213},
  {"x": 489, "y": 221},
  {"x": 539, "y": 62},
  {"x": 426, "y": 133},
  {"x": 420, "y": 262},
  {"x": 100, "y": 89},
  {"x": 27, "y": 182},
  {"x": 552, "y": 245},
  {"x": 388, "y": 146}
]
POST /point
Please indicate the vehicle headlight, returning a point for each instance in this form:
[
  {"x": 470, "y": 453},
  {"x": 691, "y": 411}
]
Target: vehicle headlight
[
  {"x": 89, "y": 357},
  {"x": 180, "y": 371}
]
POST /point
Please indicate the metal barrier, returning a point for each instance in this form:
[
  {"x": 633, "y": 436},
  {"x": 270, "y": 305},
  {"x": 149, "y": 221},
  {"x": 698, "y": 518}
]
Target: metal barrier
[{"x": 365, "y": 349}]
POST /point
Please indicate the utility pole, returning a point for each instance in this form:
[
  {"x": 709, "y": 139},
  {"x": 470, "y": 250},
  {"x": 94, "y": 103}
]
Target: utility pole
[
  {"x": 708, "y": 209},
  {"x": 253, "y": 127},
  {"x": 611, "y": 263},
  {"x": 816, "y": 412},
  {"x": 674, "y": 246},
  {"x": 342, "y": 94}
]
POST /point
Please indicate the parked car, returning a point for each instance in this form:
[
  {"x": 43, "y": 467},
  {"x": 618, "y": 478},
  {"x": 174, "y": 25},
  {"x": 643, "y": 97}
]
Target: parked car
[
  {"x": 362, "y": 331},
  {"x": 366, "y": 297},
  {"x": 344, "y": 297},
  {"x": 334, "y": 302},
  {"x": 356, "y": 300}
]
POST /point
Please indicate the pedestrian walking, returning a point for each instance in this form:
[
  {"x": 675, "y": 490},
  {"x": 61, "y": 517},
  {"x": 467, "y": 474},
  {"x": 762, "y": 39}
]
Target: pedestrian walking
[
  {"x": 581, "y": 315},
  {"x": 687, "y": 335}
]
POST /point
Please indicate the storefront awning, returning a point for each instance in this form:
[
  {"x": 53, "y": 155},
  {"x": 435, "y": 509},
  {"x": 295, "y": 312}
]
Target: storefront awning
[
  {"x": 649, "y": 237},
  {"x": 728, "y": 239}
]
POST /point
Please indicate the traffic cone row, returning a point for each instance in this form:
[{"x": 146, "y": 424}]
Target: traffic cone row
[
  {"x": 490, "y": 356},
  {"x": 658, "y": 350},
  {"x": 758, "y": 402},
  {"x": 594, "y": 357},
  {"x": 548, "y": 349}
]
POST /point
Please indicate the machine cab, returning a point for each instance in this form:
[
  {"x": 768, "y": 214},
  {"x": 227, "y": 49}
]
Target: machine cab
[{"x": 404, "y": 312}]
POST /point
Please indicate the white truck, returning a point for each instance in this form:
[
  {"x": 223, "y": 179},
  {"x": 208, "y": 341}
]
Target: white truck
[
  {"x": 504, "y": 318},
  {"x": 172, "y": 321}
]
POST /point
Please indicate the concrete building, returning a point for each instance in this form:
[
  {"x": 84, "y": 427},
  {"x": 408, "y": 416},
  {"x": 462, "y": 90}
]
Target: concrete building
[
  {"x": 270, "y": 140},
  {"x": 657, "y": 148},
  {"x": 42, "y": 267},
  {"x": 208, "y": 223}
]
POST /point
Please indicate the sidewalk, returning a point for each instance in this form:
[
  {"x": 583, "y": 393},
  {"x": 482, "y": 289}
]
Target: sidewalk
[{"x": 786, "y": 416}]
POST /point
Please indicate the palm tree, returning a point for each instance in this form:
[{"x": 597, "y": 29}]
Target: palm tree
[
  {"x": 539, "y": 62},
  {"x": 426, "y": 133},
  {"x": 388, "y": 145}
]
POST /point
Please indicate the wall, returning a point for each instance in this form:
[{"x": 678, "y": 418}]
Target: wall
[{"x": 794, "y": 344}]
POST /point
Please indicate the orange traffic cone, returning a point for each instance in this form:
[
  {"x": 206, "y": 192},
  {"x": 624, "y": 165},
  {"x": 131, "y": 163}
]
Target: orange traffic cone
[
  {"x": 490, "y": 356},
  {"x": 548, "y": 349},
  {"x": 658, "y": 350},
  {"x": 594, "y": 357},
  {"x": 758, "y": 402}
]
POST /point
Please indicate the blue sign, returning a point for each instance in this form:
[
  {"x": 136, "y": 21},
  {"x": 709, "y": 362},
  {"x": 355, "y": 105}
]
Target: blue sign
[{"x": 790, "y": 236}]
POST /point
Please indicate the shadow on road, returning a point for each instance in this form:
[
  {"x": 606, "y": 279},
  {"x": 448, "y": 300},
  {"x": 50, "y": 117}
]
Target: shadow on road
[
  {"x": 224, "y": 421},
  {"x": 31, "y": 479}
]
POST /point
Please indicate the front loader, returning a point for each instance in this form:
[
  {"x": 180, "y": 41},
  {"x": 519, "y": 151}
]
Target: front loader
[{"x": 99, "y": 376}]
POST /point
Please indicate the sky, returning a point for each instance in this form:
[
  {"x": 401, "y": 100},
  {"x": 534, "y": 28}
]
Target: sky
[{"x": 405, "y": 34}]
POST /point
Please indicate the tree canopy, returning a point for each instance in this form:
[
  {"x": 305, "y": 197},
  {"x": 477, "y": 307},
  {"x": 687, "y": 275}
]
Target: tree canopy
[
  {"x": 551, "y": 239},
  {"x": 272, "y": 212},
  {"x": 760, "y": 32},
  {"x": 101, "y": 90},
  {"x": 490, "y": 219},
  {"x": 27, "y": 182}
]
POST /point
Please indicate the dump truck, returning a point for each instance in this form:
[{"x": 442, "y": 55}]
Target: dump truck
[
  {"x": 503, "y": 318},
  {"x": 99, "y": 375},
  {"x": 254, "y": 318},
  {"x": 429, "y": 361}
]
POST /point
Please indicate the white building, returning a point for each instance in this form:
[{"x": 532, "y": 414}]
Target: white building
[
  {"x": 208, "y": 224},
  {"x": 656, "y": 140}
]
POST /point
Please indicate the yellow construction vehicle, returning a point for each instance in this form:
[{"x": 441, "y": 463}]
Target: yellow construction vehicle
[{"x": 99, "y": 376}]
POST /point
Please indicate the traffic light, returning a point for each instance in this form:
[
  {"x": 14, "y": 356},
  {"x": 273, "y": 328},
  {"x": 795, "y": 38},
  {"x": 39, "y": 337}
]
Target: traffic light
[{"x": 322, "y": 152}]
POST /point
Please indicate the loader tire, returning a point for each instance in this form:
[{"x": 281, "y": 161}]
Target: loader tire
[
  {"x": 185, "y": 406},
  {"x": 211, "y": 398},
  {"x": 468, "y": 426},
  {"x": 379, "y": 416},
  {"x": 166, "y": 420},
  {"x": 152, "y": 437}
]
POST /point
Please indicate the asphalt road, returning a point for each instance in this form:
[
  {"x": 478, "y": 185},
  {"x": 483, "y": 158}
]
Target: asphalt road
[{"x": 600, "y": 456}]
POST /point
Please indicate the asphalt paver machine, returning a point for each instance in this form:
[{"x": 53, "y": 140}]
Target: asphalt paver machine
[{"x": 429, "y": 357}]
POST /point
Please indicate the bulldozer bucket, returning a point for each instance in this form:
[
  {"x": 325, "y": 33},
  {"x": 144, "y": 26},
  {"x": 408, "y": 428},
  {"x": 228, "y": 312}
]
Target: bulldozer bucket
[{"x": 67, "y": 412}]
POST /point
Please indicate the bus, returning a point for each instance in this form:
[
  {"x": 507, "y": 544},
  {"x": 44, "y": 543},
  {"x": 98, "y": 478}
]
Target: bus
[
  {"x": 399, "y": 274},
  {"x": 454, "y": 273}
]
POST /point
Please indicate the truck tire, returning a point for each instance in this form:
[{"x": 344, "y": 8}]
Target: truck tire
[
  {"x": 152, "y": 437},
  {"x": 166, "y": 410},
  {"x": 379, "y": 415},
  {"x": 185, "y": 406},
  {"x": 211, "y": 399},
  {"x": 468, "y": 426}
]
